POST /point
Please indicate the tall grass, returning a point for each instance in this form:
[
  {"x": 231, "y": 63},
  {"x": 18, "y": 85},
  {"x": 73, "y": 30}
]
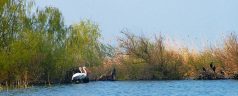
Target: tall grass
[
  {"x": 146, "y": 59},
  {"x": 228, "y": 55}
]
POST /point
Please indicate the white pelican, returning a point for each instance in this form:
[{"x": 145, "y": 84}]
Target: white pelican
[{"x": 81, "y": 75}]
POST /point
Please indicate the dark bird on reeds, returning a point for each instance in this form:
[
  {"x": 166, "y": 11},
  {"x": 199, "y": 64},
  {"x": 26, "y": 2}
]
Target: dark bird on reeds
[
  {"x": 222, "y": 72},
  {"x": 204, "y": 69},
  {"x": 213, "y": 67}
]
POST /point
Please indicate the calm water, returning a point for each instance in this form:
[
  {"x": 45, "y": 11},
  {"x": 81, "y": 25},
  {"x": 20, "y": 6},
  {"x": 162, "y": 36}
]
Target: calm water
[{"x": 135, "y": 88}]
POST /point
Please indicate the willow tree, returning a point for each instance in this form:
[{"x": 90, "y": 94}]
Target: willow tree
[
  {"x": 14, "y": 20},
  {"x": 83, "y": 43},
  {"x": 31, "y": 42}
]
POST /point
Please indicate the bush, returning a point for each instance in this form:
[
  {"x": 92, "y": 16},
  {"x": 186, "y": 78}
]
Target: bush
[{"x": 150, "y": 60}]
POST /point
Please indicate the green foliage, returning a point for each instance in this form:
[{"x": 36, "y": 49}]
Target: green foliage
[
  {"x": 38, "y": 48},
  {"x": 2, "y": 4},
  {"x": 83, "y": 44}
]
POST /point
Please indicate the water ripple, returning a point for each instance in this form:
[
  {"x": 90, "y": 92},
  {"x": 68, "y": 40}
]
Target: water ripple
[{"x": 134, "y": 88}]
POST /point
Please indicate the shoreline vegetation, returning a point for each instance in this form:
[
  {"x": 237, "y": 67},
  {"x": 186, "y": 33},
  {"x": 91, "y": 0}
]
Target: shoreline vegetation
[{"x": 36, "y": 47}]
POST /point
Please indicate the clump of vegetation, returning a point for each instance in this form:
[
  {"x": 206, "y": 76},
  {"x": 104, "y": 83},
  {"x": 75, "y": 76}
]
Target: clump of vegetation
[
  {"x": 148, "y": 60},
  {"x": 228, "y": 56},
  {"x": 37, "y": 47}
]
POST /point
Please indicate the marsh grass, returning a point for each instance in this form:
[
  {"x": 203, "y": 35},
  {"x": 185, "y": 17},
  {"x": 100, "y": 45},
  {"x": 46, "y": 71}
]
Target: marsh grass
[
  {"x": 228, "y": 55},
  {"x": 146, "y": 59}
]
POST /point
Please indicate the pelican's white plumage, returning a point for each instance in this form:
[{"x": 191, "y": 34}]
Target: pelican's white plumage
[{"x": 81, "y": 75}]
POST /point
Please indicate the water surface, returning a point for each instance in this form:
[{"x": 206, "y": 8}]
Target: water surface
[{"x": 134, "y": 88}]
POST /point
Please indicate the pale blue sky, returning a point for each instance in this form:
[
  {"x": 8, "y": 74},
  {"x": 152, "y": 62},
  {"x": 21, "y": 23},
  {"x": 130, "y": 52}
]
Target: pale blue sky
[{"x": 192, "y": 23}]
